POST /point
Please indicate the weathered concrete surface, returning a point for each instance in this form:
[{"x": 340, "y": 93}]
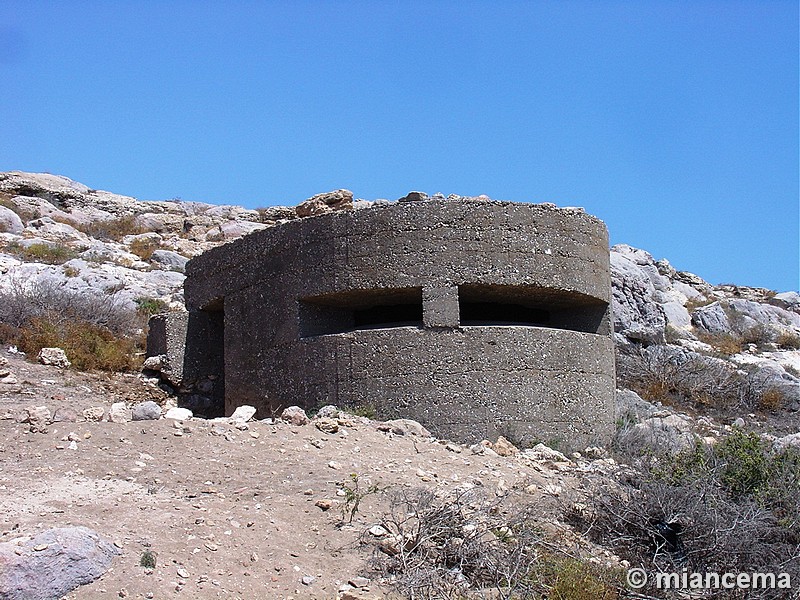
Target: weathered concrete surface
[{"x": 473, "y": 317}]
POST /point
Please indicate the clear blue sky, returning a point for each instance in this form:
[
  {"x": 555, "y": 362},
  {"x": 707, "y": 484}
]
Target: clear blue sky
[{"x": 675, "y": 122}]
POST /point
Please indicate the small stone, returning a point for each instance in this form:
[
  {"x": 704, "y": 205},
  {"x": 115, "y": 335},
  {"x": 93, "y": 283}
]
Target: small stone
[
  {"x": 183, "y": 574},
  {"x": 146, "y": 411},
  {"x": 377, "y": 531},
  {"x": 242, "y": 414},
  {"x": 552, "y": 489},
  {"x": 324, "y": 504},
  {"x": 327, "y": 425},
  {"x": 9, "y": 379},
  {"x": 178, "y": 414},
  {"x": 73, "y": 445},
  {"x": 153, "y": 363},
  {"x": 334, "y": 465},
  {"x": 65, "y": 415},
  {"x": 119, "y": 413},
  {"x": 94, "y": 414},
  {"x": 504, "y": 448},
  {"x": 308, "y": 580},
  {"x": 359, "y": 582},
  {"x": 38, "y": 417}
]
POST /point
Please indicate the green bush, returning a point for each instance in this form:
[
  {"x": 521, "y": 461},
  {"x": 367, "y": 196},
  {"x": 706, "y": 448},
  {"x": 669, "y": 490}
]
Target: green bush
[
  {"x": 148, "y": 560},
  {"x": 567, "y": 578},
  {"x": 728, "y": 507},
  {"x": 53, "y": 254},
  {"x": 151, "y": 306}
]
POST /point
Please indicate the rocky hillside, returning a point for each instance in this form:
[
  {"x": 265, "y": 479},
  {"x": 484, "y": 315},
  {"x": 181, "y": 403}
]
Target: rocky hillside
[
  {"x": 708, "y": 415},
  {"x": 57, "y": 233}
]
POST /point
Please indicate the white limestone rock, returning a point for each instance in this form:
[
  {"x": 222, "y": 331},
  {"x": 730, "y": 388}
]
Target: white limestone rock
[
  {"x": 10, "y": 221},
  {"x": 54, "y": 357}
]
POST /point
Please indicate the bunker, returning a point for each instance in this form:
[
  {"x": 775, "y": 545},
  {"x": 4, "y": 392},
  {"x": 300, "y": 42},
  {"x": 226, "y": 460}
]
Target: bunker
[{"x": 476, "y": 318}]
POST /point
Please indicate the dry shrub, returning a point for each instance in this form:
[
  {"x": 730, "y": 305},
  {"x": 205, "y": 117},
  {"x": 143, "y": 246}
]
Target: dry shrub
[
  {"x": 788, "y": 340},
  {"x": 732, "y": 507},
  {"x": 772, "y": 400},
  {"x": 89, "y": 347},
  {"x": 679, "y": 377},
  {"x": 724, "y": 343},
  {"x": 112, "y": 229},
  {"x": 143, "y": 248},
  {"x": 95, "y": 330},
  {"x": 465, "y": 545}
]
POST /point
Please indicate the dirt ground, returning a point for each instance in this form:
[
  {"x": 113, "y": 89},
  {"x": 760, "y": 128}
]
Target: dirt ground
[{"x": 228, "y": 513}]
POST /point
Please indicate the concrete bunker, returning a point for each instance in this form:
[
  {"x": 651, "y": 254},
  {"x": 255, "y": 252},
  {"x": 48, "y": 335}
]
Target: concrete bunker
[{"x": 477, "y": 318}]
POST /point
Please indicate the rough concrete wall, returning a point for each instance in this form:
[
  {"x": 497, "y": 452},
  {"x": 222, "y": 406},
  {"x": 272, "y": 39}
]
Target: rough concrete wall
[
  {"x": 294, "y": 294},
  {"x": 192, "y": 347},
  {"x": 166, "y": 336}
]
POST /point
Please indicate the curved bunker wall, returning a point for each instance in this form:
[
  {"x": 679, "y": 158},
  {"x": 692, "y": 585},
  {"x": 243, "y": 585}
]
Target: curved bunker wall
[{"x": 475, "y": 318}]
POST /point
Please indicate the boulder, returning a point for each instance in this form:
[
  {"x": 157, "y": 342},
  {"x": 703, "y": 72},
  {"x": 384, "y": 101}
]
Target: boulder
[
  {"x": 38, "y": 417},
  {"x": 52, "y": 564},
  {"x": 542, "y": 453},
  {"x": 743, "y": 317},
  {"x": 10, "y": 221},
  {"x": 169, "y": 260},
  {"x": 632, "y": 408},
  {"x": 637, "y": 315},
  {"x": 54, "y": 357},
  {"x": 328, "y": 412},
  {"x": 146, "y": 411},
  {"x": 52, "y": 231},
  {"x": 414, "y": 197},
  {"x": 232, "y": 230},
  {"x": 787, "y": 300},
  {"x": 294, "y": 415},
  {"x": 405, "y": 427},
  {"x": 668, "y": 435},
  {"x": 326, "y": 202}
]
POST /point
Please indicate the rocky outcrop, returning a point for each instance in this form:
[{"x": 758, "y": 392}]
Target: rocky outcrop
[
  {"x": 325, "y": 203},
  {"x": 100, "y": 242},
  {"x": 746, "y": 317},
  {"x": 648, "y": 296}
]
